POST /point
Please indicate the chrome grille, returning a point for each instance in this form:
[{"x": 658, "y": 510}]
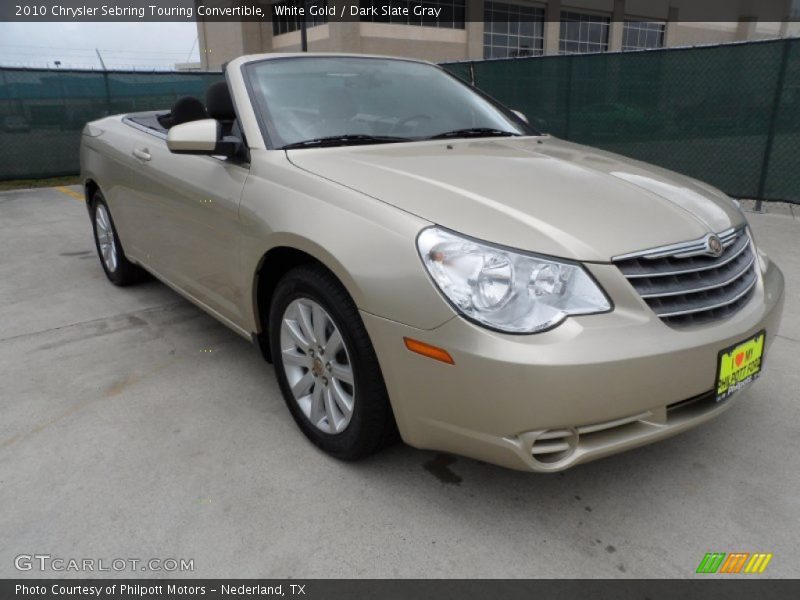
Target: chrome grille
[{"x": 685, "y": 285}]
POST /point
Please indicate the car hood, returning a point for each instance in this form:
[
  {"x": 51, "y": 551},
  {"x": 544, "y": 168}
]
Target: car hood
[{"x": 538, "y": 194}]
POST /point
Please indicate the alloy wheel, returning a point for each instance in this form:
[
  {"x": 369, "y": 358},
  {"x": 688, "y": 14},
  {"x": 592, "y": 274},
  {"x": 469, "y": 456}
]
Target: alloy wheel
[
  {"x": 317, "y": 365},
  {"x": 105, "y": 237}
]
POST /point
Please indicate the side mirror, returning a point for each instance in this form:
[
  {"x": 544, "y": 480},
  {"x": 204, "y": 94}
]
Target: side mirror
[
  {"x": 521, "y": 115},
  {"x": 201, "y": 137}
]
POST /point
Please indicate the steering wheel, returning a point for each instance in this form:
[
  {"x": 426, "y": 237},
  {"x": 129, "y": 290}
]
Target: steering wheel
[{"x": 402, "y": 122}]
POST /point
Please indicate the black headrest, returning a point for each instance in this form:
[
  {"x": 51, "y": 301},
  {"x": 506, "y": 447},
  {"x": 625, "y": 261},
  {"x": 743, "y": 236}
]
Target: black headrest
[
  {"x": 219, "y": 102},
  {"x": 187, "y": 109}
]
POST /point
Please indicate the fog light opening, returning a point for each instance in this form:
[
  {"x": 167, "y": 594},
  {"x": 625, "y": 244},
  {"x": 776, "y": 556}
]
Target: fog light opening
[{"x": 554, "y": 445}]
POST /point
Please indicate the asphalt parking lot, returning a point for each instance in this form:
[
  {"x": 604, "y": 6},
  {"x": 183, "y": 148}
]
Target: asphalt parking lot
[{"x": 135, "y": 426}]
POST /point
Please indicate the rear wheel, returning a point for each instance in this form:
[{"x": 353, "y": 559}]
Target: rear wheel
[
  {"x": 326, "y": 365},
  {"x": 119, "y": 270}
]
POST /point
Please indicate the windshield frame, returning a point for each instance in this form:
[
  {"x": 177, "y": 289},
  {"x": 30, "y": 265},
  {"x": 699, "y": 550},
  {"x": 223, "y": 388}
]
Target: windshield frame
[{"x": 266, "y": 124}]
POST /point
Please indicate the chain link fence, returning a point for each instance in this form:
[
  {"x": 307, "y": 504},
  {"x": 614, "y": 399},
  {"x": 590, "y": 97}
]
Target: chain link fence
[
  {"x": 42, "y": 112},
  {"x": 728, "y": 114}
]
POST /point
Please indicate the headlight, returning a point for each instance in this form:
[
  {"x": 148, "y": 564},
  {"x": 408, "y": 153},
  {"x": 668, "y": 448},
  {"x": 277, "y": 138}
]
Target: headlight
[{"x": 507, "y": 290}]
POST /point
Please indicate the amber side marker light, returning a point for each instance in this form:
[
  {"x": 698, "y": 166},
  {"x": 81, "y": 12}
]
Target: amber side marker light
[{"x": 429, "y": 351}]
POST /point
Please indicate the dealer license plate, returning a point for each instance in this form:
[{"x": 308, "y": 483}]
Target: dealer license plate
[{"x": 739, "y": 365}]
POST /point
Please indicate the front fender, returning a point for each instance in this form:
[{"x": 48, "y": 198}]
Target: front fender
[{"x": 369, "y": 245}]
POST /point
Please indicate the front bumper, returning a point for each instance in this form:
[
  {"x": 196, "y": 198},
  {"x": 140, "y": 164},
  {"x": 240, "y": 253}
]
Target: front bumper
[{"x": 594, "y": 386}]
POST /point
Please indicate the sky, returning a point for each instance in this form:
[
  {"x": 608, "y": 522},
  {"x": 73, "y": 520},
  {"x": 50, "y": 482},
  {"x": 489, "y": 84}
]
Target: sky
[{"x": 140, "y": 46}]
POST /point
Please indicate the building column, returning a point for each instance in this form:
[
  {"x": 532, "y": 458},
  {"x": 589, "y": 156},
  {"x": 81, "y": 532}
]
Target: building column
[
  {"x": 617, "y": 26},
  {"x": 222, "y": 41},
  {"x": 266, "y": 36},
  {"x": 251, "y": 37},
  {"x": 552, "y": 26},
  {"x": 671, "y": 34},
  {"x": 746, "y": 29},
  {"x": 474, "y": 27}
]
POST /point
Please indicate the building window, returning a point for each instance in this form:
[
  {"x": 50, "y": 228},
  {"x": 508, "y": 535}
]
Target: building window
[
  {"x": 581, "y": 33},
  {"x": 640, "y": 35},
  {"x": 414, "y": 12},
  {"x": 511, "y": 30},
  {"x": 288, "y": 22}
]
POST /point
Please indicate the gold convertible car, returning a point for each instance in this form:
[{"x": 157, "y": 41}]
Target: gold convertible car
[{"x": 416, "y": 260}]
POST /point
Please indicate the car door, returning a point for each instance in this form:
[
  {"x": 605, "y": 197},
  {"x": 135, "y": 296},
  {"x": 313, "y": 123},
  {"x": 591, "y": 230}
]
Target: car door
[
  {"x": 193, "y": 238},
  {"x": 120, "y": 168}
]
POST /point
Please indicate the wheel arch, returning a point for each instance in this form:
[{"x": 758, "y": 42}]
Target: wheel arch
[
  {"x": 286, "y": 254},
  {"x": 90, "y": 188}
]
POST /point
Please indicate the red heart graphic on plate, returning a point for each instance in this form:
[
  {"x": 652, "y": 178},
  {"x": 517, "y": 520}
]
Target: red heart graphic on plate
[{"x": 739, "y": 358}]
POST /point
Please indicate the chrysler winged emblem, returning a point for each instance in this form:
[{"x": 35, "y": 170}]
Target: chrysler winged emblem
[{"x": 714, "y": 246}]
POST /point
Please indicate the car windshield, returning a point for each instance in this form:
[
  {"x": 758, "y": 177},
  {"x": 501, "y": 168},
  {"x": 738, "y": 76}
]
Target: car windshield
[{"x": 313, "y": 101}]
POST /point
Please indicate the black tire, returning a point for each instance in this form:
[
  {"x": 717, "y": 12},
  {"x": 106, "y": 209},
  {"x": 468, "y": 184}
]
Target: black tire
[
  {"x": 124, "y": 272},
  {"x": 371, "y": 426}
]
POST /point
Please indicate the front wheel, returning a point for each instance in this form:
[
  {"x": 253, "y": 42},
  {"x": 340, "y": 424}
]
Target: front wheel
[{"x": 326, "y": 365}]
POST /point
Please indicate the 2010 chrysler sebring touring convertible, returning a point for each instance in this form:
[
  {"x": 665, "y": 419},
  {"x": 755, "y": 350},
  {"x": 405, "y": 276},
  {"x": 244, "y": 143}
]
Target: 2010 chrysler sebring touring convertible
[{"x": 414, "y": 258}]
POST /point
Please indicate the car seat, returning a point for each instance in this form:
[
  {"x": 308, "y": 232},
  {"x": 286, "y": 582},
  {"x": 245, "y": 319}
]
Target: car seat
[{"x": 184, "y": 110}]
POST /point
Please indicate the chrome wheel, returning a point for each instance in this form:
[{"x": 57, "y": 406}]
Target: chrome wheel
[
  {"x": 317, "y": 365},
  {"x": 105, "y": 237}
]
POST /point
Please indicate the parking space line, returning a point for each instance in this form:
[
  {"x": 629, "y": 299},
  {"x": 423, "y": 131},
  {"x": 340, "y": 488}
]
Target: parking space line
[{"x": 70, "y": 193}]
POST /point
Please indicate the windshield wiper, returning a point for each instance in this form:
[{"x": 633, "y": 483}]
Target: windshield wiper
[
  {"x": 472, "y": 132},
  {"x": 345, "y": 140}
]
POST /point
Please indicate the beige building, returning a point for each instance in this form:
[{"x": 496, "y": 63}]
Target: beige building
[{"x": 476, "y": 29}]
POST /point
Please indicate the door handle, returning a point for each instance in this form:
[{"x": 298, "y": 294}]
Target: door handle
[{"x": 142, "y": 153}]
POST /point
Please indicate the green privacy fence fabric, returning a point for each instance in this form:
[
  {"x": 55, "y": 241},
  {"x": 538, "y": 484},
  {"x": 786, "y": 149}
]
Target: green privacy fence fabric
[
  {"x": 728, "y": 115},
  {"x": 42, "y": 112}
]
